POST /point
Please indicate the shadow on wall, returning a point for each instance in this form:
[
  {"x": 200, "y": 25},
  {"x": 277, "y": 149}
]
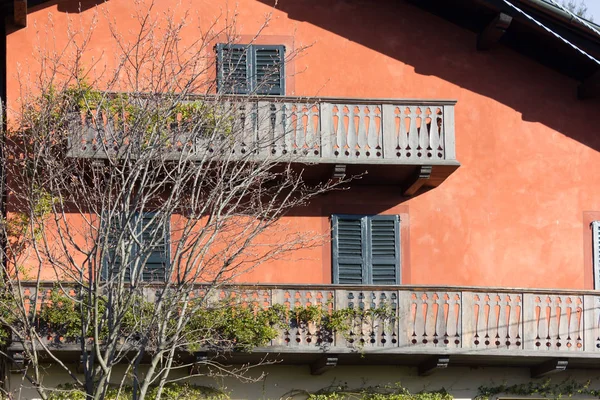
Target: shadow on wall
[
  {"x": 65, "y": 6},
  {"x": 436, "y": 47}
]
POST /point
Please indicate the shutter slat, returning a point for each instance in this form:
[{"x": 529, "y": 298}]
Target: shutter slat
[{"x": 350, "y": 273}]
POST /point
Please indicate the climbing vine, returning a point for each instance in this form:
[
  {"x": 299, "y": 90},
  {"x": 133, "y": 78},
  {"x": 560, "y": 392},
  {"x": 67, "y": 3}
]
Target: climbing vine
[
  {"x": 219, "y": 325},
  {"x": 546, "y": 389},
  {"x": 180, "y": 391},
  {"x": 379, "y": 392}
]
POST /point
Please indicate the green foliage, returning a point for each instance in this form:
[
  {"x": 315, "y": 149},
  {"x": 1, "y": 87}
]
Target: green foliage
[
  {"x": 342, "y": 320},
  {"x": 172, "y": 391},
  {"x": 202, "y": 117},
  {"x": 62, "y": 314},
  {"x": 242, "y": 326},
  {"x": 225, "y": 325},
  {"x": 546, "y": 388},
  {"x": 153, "y": 120},
  {"x": 387, "y": 392},
  {"x": 83, "y": 96}
]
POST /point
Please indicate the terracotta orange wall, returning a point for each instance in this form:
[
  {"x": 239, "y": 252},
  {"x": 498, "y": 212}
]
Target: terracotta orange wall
[{"x": 513, "y": 213}]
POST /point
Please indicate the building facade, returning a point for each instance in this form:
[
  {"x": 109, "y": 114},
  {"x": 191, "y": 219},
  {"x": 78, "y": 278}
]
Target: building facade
[{"x": 475, "y": 217}]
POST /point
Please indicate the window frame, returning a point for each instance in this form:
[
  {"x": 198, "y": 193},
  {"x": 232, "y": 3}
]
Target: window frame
[
  {"x": 366, "y": 243},
  {"x": 252, "y": 86},
  {"x": 595, "y": 226}
]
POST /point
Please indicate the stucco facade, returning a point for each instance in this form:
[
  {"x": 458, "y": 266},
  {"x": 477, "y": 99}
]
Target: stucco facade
[{"x": 515, "y": 214}]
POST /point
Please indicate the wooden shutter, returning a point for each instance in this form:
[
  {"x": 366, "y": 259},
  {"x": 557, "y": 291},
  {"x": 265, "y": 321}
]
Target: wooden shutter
[
  {"x": 384, "y": 250},
  {"x": 269, "y": 69},
  {"x": 366, "y": 249},
  {"x": 234, "y": 64},
  {"x": 348, "y": 250},
  {"x": 155, "y": 252},
  {"x": 596, "y": 251}
]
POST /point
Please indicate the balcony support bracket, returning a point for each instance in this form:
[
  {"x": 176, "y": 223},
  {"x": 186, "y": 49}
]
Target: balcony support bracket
[
  {"x": 339, "y": 171},
  {"x": 79, "y": 367},
  {"x": 419, "y": 178},
  {"x": 492, "y": 33},
  {"x": 549, "y": 367},
  {"x": 590, "y": 87},
  {"x": 200, "y": 359},
  {"x": 323, "y": 364},
  {"x": 18, "y": 362},
  {"x": 433, "y": 364}
]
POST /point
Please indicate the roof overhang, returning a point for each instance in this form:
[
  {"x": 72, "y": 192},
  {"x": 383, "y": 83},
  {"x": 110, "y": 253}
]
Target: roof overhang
[{"x": 496, "y": 22}]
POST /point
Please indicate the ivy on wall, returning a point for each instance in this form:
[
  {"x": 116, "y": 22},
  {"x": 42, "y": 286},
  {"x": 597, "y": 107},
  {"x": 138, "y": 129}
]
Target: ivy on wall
[
  {"x": 384, "y": 392},
  {"x": 172, "y": 391},
  {"x": 546, "y": 389},
  {"x": 541, "y": 389}
]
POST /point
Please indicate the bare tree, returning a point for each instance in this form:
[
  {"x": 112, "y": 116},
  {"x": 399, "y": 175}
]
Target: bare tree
[
  {"x": 578, "y": 8},
  {"x": 132, "y": 178}
]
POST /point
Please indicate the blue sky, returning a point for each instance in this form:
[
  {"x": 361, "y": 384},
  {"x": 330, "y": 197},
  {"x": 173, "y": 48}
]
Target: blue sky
[{"x": 594, "y": 9}]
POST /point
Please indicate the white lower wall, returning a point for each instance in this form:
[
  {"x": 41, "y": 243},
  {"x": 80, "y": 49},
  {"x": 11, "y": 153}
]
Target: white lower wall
[{"x": 461, "y": 382}]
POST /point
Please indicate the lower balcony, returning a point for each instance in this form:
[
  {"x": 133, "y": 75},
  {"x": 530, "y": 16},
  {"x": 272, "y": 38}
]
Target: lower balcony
[
  {"x": 546, "y": 330},
  {"x": 410, "y": 143}
]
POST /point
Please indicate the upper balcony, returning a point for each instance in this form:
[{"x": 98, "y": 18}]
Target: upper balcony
[{"x": 410, "y": 143}]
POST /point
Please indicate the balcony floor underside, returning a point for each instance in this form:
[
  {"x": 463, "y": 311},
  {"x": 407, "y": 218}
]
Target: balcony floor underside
[{"x": 411, "y": 357}]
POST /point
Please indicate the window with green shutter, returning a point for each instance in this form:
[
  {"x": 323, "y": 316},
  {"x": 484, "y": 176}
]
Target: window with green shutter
[
  {"x": 140, "y": 241},
  {"x": 596, "y": 253},
  {"x": 258, "y": 69},
  {"x": 366, "y": 249}
]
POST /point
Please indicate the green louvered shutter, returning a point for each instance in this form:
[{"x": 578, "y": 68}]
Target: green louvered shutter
[
  {"x": 348, "y": 250},
  {"x": 384, "y": 250},
  {"x": 596, "y": 251},
  {"x": 269, "y": 69},
  {"x": 234, "y": 69},
  {"x": 156, "y": 247}
]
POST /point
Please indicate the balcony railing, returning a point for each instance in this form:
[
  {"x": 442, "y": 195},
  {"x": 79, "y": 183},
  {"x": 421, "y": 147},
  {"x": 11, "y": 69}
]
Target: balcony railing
[
  {"x": 318, "y": 130},
  {"x": 427, "y": 320}
]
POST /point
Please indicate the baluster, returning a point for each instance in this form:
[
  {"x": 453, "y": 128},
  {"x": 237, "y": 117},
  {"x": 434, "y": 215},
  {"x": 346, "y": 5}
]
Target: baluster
[
  {"x": 351, "y": 135},
  {"x": 287, "y": 133},
  {"x": 360, "y": 119},
  {"x": 326, "y": 138},
  {"x": 434, "y": 135},
  {"x": 413, "y": 134},
  {"x": 308, "y": 127},
  {"x": 373, "y": 135},
  {"x": 339, "y": 130},
  {"x": 423, "y": 132},
  {"x": 267, "y": 140}
]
